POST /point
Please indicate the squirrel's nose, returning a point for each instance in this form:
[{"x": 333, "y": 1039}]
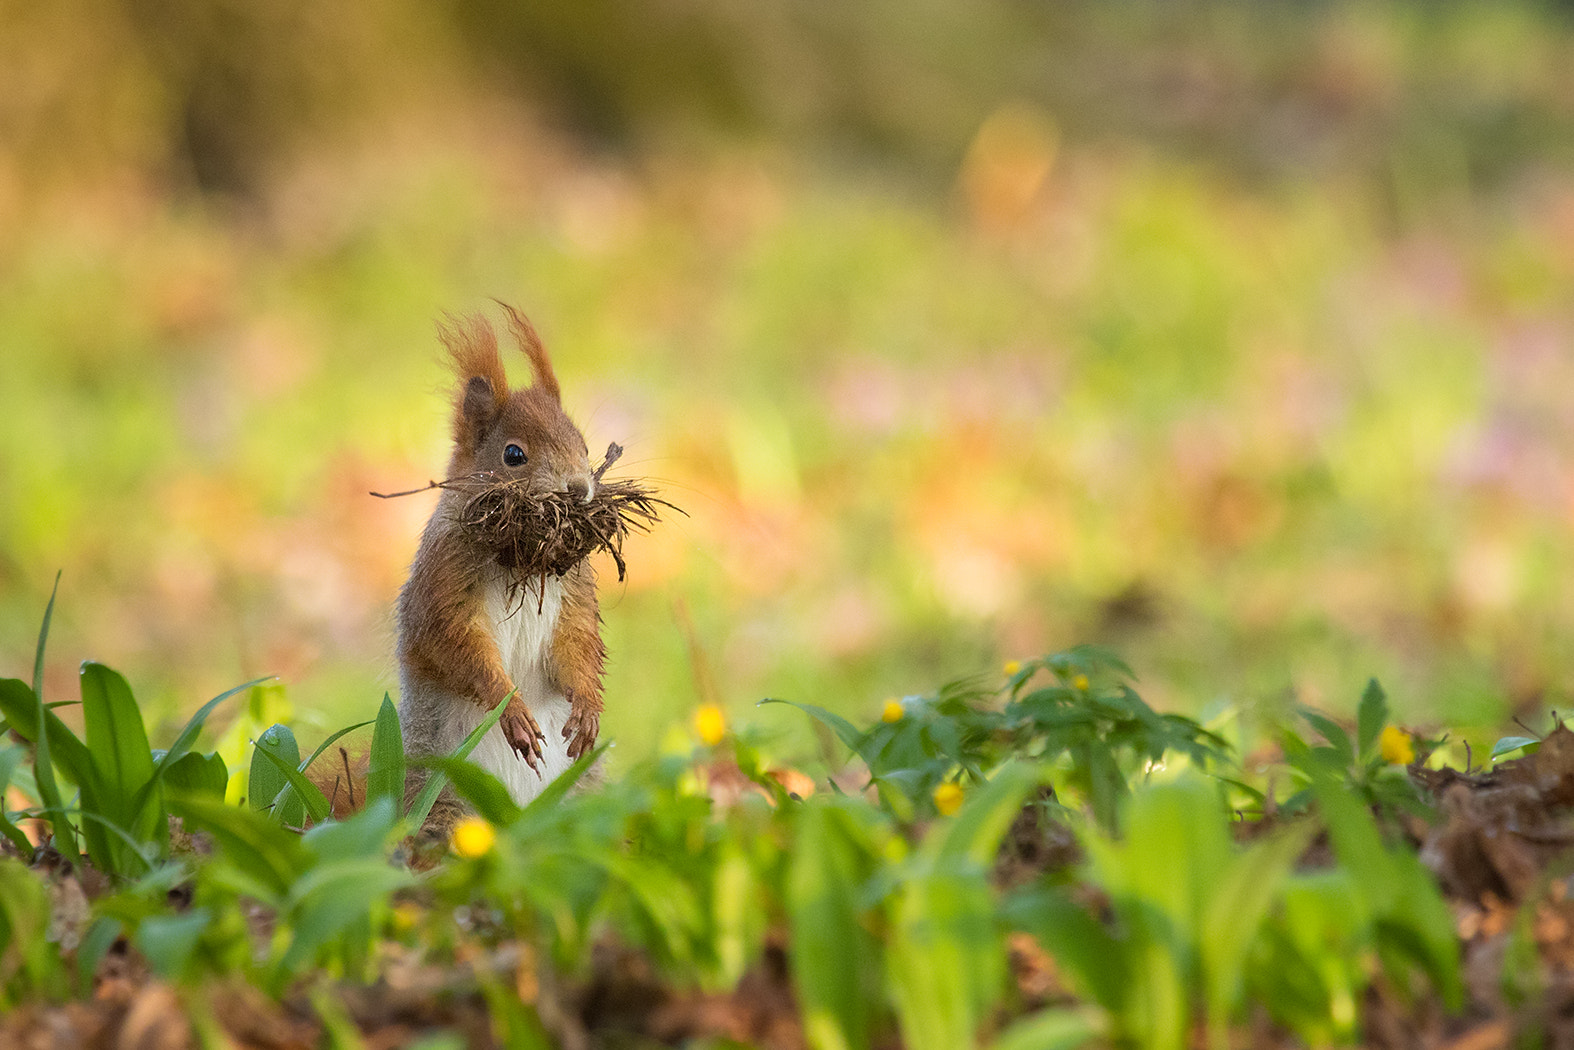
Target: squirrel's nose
[{"x": 579, "y": 487}]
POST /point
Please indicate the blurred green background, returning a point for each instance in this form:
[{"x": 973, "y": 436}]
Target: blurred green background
[{"x": 1239, "y": 336}]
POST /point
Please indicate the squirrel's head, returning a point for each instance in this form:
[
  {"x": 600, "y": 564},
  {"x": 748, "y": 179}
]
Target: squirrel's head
[{"x": 522, "y": 434}]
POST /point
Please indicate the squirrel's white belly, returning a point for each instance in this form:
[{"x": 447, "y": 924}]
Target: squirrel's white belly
[{"x": 522, "y": 625}]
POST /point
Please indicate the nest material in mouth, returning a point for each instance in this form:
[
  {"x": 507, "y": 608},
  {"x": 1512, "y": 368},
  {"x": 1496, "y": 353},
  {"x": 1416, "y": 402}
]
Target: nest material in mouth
[
  {"x": 536, "y": 534},
  {"x": 548, "y": 533}
]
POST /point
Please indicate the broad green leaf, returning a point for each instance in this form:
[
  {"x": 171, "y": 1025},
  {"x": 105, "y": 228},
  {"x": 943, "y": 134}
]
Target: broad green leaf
[
  {"x": 115, "y": 735},
  {"x": 478, "y": 787},
  {"x": 1052, "y": 1029},
  {"x": 247, "y": 839},
  {"x": 310, "y": 794},
  {"x": 1509, "y": 744},
  {"x": 364, "y": 835},
  {"x": 435, "y": 781},
  {"x": 832, "y": 957},
  {"x": 100, "y": 937},
  {"x": 267, "y": 779},
  {"x": 195, "y": 774},
  {"x": 945, "y": 965},
  {"x": 1332, "y": 732},
  {"x": 385, "y": 774},
  {"x": 167, "y": 941},
  {"x": 1370, "y": 718},
  {"x": 330, "y": 897},
  {"x": 1232, "y": 916}
]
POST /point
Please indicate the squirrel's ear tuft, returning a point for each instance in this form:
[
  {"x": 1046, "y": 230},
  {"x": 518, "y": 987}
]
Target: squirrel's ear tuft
[
  {"x": 483, "y": 386},
  {"x": 530, "y": 343}
]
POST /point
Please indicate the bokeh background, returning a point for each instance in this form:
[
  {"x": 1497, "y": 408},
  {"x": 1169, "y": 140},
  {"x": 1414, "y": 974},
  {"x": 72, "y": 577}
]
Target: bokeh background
[{"x": 1238, "y": 336}]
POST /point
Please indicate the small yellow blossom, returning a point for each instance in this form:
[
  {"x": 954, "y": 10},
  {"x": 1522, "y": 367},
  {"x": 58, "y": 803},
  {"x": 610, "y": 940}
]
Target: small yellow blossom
[
  {"x": 405, "y": 916},
  {"x": 948, "y": 798},
  {"x": 710, "y": 724},
  {"x": 473, "y": 837},
  {"x": 1013, "y": 667},
  {"x": 892, "y": 711},
  {"x": 1080, "y": 682},
  {"x": 1396, "y": 746}
]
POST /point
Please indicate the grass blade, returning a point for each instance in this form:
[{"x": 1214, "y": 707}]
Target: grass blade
[
  {"x": 43, "y": 637},
  {"x": 434, "y": 782}
]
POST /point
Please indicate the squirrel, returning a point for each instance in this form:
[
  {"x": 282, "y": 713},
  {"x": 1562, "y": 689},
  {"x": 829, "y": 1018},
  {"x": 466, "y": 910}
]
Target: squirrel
[{"x": 472, "y": 635}]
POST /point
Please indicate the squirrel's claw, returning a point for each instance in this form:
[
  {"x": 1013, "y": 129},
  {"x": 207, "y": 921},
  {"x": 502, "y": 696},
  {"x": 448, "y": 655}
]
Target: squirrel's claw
[
  {"x": 523, "y": 734},
  {"x": 583, "y": 725}
]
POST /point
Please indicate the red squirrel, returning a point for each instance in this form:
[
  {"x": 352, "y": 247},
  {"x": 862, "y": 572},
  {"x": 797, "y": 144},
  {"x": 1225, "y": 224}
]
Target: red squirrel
[{"x": 470, "y": 632}]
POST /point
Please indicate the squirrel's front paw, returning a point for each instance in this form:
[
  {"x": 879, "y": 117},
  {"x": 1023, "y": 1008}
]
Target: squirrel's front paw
[
  {"x": 581, "y": 729},
  {"x": 522, "y": 733}
]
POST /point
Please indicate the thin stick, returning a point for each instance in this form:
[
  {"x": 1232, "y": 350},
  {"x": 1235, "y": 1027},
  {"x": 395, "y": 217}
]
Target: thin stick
[{"x": 409, "y": 492}]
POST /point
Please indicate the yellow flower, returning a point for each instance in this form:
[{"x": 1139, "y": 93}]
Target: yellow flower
[
  {"x": 948, "y": 798},
  {"x": 1396, "y": 746},
  {"x": 892, "y": 711},
  {"x": 710, "y": 724},
  {"x": 405, "y": 916},
  {"x": 473, "y": 837},
  {"x": 1080, "y": 683},
  {"x": 1012, "y": 667}
]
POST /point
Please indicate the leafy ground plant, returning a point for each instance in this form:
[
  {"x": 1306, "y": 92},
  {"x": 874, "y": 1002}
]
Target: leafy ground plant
[{"x": 693, "y": 897}]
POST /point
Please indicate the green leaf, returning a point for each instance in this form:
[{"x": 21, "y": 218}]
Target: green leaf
[
  {"x": 845, "y": 731},
  {"x": 386, "y": 773},
  {"x": 167, "y": 941},
  {"x": 310, "y": 794},
  {"x": 115, "y": 735},
  {"x": 100, "y": 937},
  {"x": 196, "y": 774},
  {"x": 43, "y": 763},
  {"x": 424, "y": 802},
  {"x": 1337, "y": 738},
  {"x": 1509, "y": 744},
  {"x": 10, "y": 758},
  {"x": 24, "y": 922},
  {"x": 478, "y": 787},
  {"x": 249, "y": 840},
  {"x": 1231, "y": 918},
  {"x": 944, "y": 963},
  {"x": 364, "y": 835},
  {"x": 21, "y": 708},
  {"x": 123, "y": 792},
  {"x": 266, "y": 780},
  {"x": 1370, "y": 718},
  {"x": 832, "y": 956},
  {"x": 43, "y": 638},
  {"x": 1052, "y": 1029},
  {"x": 330, "y": 897}
]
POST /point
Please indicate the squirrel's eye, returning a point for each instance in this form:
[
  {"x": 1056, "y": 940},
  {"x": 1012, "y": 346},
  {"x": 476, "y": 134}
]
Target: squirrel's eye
[{"x": 513, "y": 456}]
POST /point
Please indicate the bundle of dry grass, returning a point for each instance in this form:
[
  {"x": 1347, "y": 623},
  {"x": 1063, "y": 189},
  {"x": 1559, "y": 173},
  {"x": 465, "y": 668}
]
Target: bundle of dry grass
[{"x": 548, "y": 533}]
